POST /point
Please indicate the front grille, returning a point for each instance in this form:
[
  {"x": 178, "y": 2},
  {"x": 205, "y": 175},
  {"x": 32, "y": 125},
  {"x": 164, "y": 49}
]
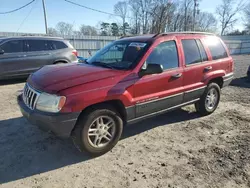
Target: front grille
[{"x": 30, "y": 96}]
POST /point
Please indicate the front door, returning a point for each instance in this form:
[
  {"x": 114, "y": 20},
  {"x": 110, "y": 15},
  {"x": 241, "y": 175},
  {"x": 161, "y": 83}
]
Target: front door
[
  {"x": 154, "y": 93},
  {"x": 12, "y": 62}
]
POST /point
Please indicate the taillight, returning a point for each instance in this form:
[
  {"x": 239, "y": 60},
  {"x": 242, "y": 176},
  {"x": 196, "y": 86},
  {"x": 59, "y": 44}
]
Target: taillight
[{"x": 75, "y": 53}]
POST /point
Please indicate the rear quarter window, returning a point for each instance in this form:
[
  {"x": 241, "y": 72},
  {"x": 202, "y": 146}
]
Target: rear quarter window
[
  {"x": 216, "y": 47},
  {"x": 59, "y": 45}
]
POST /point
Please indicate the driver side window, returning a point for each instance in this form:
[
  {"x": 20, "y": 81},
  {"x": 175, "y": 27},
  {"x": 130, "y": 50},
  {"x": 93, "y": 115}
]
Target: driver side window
[{"x": 165, "y": 54}]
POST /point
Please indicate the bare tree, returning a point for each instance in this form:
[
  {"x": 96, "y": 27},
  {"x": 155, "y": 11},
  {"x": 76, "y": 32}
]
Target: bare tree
[
  {"x": 64, "y": 28},
  {"x": 52, "y": 31},
  {"x": 227, "y": 12},
  {"x": 135, "y": 22},
  {"x": 121, "y": 9},
  {"x": 188, "y": 13},
  {"x": 161, "y": 15},
  {"x": 206, "y": 22},
  {"x": 247, "y": 17},
  {"x": 88, "y": 30}
]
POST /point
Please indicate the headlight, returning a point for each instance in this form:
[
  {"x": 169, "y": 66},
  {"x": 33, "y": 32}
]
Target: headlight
[{"x": 50, "y": 103}]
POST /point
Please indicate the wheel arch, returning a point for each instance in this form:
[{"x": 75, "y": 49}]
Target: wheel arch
[
  {"x": 60, "y": 60},
  {"x": 116, "y": 104},
  {"x": 217, "y": 80}
]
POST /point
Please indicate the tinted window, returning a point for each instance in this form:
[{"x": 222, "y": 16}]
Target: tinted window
[
  {"x": 49, "y": 45},
  {"x": 59, "y": 45},
  {"x": 164, "y": 54},
  {"x": 36, "y": 45},
  {"x": 202, "y": 50},
  {"x": 191, "y": 51},
  {"x": 13, "y": 46},
  {"x": 216, "y": 48}
]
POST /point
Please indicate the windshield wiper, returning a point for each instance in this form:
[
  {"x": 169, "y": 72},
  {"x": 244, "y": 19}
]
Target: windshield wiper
[{"x": 106, "y": 65}]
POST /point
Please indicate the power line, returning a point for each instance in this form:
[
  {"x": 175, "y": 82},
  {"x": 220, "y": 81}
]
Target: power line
[
  {"x": 100, "y": 11},
  {"x": 18, "y": 8},
  {"x": 26, "y": 17}
]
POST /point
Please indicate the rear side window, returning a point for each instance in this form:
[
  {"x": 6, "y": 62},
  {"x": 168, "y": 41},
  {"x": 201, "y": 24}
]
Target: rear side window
[
  {"x": 59, "y": 45},
  {"x": 36, "y": 45},
  {"x": 216, "y": 48},
  {"x": 165, "y": 54},
  {"x": 13, "y": 46},
  {"x": 202, "y": 50},
  {"x": 191, "y": 51}
]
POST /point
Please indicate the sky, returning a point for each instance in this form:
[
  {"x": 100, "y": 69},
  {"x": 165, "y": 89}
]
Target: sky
[{"x": 30, "y": 19}]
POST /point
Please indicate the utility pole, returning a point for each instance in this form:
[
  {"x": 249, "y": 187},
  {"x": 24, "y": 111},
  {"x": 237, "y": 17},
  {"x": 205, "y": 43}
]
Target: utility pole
[{"x": 45, "y": 17}]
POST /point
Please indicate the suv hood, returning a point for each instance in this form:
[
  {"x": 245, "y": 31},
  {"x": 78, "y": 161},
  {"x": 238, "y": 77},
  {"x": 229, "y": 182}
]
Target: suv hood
[{"x": 53, "y": 78}]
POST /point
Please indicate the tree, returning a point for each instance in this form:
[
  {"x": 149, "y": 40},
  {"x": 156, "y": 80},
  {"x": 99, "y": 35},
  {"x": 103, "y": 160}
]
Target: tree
[
  {"x": 188, "y": 14},
  {"x": 161, "y": 15},
  {"x": 114, "y": 29},
  {"x": 227, "y": 12},
  {"x": 105, "y": 28},
  {"x": 121, "y": 9},
  {"x": 125, "y": 28},
  {"x": 135, "y": 22},
  {"x": 247, "y": 17},
  {"x": 88, "y": 30},
  {"x": 52, "y": 31},
  {"x": 145, "y": 13},
  {"x": 206, "y": 22},
  {"x": 64, "y": 28}
]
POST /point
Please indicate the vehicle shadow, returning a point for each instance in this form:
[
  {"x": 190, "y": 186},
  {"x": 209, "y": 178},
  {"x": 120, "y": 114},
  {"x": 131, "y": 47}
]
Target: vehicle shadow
[
  {"x": 241, "y": 82},
  {"x": 179, "y": 115},
  {"x": 12, "y": 81},
  {"x": 27, "y": 151}
]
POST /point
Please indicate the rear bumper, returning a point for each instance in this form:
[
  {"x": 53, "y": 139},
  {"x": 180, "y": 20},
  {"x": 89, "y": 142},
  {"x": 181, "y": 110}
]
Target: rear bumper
[
  {"x": 227, "y": 79},
  {"x": 61, "y": 124}
]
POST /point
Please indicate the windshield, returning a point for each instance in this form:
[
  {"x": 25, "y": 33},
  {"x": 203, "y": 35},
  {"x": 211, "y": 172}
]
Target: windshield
[{"x": 118, "y": 55}]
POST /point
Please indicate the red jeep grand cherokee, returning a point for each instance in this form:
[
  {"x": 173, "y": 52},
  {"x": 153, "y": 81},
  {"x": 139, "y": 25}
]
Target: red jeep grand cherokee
[{"x": 128, "y": 80}]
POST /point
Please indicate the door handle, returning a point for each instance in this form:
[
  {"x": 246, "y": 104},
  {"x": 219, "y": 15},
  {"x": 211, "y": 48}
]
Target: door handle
[
  {"x": 208, "y": 68},
  {"x": 177, "y": 75}
]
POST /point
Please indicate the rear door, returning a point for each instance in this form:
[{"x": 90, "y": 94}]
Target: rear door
[
  {"x": 154, "y": 93},
  {"x": 197, "y": 66},
  {"x": 38, "y": 54},
  {"x": 13, "y": 60}
]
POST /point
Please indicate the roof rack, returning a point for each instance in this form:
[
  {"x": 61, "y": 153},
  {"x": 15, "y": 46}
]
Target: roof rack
[{"x": 187, "y": 32}]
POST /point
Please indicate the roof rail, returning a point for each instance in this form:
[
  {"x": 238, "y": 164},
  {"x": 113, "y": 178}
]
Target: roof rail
[{"x": 188, "y": 32}]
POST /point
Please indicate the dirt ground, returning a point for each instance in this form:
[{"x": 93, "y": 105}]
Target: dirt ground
[{"x": 174, "y": 150}]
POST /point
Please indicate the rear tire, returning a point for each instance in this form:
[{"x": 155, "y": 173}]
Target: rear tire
[
  {"x": 209, "y": 100},
  {"x": 98, "y": 130}
]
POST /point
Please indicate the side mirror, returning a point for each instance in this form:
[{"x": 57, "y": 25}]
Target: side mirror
[
  {"x": 151, "y": 69},
  {"x": 1, "y": 51}
]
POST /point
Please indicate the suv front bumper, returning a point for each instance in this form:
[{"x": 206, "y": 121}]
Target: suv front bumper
[{"x": 61, "y": 124}]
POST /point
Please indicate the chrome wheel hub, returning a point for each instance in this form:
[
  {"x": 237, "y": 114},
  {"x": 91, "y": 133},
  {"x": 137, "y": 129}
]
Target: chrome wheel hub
[
  {"x": 212, "y": 98},
  {"x": 101, "y": 131}
]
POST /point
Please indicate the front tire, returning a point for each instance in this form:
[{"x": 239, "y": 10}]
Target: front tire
[
  {"x": 209, "y": 100},
  {"x": 98, "y": 131}
]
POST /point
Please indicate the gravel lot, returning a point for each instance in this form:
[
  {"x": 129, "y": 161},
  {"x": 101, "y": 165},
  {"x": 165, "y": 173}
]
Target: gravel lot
[{"x": 178, "y": 149}]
